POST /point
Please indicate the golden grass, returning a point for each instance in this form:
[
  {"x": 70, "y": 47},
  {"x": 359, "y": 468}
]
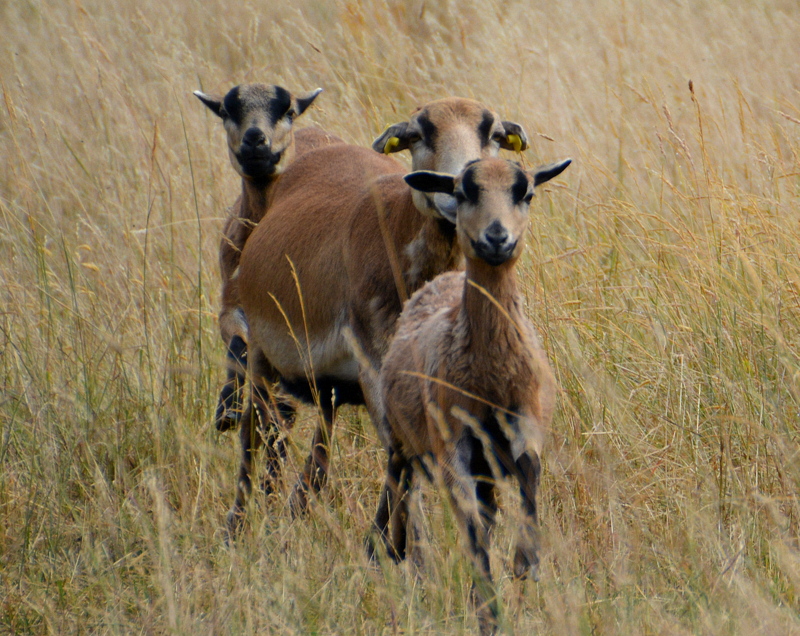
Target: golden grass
[{"x": 663, "y": 274}]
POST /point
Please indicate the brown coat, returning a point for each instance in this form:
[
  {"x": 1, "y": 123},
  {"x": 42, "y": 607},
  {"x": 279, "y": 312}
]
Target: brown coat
[
  {"x": 323, "y": 276},
  {"x": 465, "y": 382},
  {"x": 248, "y": 209}
]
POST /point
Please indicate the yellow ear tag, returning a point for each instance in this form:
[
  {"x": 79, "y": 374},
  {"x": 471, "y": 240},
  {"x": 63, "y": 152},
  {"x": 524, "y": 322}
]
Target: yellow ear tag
[
  {"x": 515, "y": 141},
  {"x": 391, "y": 144}
]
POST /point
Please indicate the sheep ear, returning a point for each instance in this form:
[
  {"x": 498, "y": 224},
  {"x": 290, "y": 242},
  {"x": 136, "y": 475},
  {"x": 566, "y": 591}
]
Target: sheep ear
[
  {"x": 214, "y": 103},
  {"x": 516, "y": 138},
  {"x": 545, "y": 173},
  {"x": 393, "y": 139},
  {"x": 428, "y": 181},
  {"x": 304, "y": 101}
]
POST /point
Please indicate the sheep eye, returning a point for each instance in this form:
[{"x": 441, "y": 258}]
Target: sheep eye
[
  {"x": 413, "y": 138},
  {"x": 528, "y": 197}
]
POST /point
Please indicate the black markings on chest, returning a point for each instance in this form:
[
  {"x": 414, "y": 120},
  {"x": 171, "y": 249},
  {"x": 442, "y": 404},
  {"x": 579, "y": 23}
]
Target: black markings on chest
[{"x": 498, "y": 433}]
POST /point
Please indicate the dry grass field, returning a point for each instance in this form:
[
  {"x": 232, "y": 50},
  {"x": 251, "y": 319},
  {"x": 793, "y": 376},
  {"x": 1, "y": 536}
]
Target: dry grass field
[{"x": 663, "y": 273}]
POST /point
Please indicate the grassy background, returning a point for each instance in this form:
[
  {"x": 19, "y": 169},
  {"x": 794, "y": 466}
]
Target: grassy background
[{"x": 663, "y": 273}]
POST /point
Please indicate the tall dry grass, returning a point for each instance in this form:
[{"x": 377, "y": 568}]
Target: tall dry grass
[{"x": 663, "y": 273}]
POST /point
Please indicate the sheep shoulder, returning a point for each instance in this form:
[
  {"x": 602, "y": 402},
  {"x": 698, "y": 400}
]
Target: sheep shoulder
[{"x": 313, "y": 137}]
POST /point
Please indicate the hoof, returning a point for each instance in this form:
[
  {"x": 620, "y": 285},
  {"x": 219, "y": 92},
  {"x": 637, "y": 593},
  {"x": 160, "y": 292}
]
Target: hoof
[
  {"x": 375, "y": 543},
  {"x": 526, "y": 565}
]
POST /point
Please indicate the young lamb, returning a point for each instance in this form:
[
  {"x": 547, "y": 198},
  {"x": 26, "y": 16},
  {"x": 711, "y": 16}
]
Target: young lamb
[
  {"x": 259, "y": 120},
  {"x": 324, "y": 275},
  {"x": 465, "y": 381}
]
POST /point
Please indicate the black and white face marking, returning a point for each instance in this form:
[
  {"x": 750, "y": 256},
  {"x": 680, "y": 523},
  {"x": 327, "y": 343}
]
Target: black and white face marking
[
  {"x": 428, "y": 131},
  {"x": 493, "y": 131},
  {"x": 258, "y": 119},
  {"x": 445, "y": 136},
  {"x": 259, "y": 128},
  {"x": 493, "y": 210},
  {"x": 461, "y": 136},
  {"x": 493, "y": 197}
]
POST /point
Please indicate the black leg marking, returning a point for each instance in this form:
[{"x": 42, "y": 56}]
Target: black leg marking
[
  {"x": 526, "y": 556},
  {"x": 481, "y": 469},
  {"x": 262, "y": 424},
  {"x": 390, "y": 520},
  {"x": 475, "y": 504},
  {"x": 315, "y": 471},
  {"x": 250, "y": 441},
  {"x": 398, "y": 520},
  {"x": 274, "y": 417},
  {"x": 229, "y": 404},
  {"x": 483, "y": 592}
]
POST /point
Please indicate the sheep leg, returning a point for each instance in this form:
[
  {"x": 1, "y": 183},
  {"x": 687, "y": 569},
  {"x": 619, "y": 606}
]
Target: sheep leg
[
  {"x": 315, "y": 471},
  {"x": 380, "y": 523},
  {"x": 232, "y": 324},
  {"x": 417, "y": 550},
  {"x": 275, "y": 415},
  {"x": 397, "y": 537},
  {"x": 280, "y": 418},
  {"x": 262, "y": 423},
  {"x": 229, "y": 404},
  {"x": 526, "y": 556},
  {"x": 482, "y": 593},
  {"x": 250, "y": 442},
  {"x": 255, "y": 431},
  {"x": 384, "y": 505},
  {"x": 392, "y": 498},
  {"x": 482, "y": 586},
  {"x": 474, "y": 504}
]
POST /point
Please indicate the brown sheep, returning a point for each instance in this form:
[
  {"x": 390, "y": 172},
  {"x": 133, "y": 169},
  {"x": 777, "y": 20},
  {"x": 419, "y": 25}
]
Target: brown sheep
[
  {"x": 323, "y": 276},
  {"x": 259, "y": 120},
  {"x": 465, "y": 381}
]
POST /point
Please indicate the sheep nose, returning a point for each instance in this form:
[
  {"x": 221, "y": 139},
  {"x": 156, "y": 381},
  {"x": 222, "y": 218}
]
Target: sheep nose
[
  {"x": 254, "y": 137},
  {"x": 496, "y": 235}
]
